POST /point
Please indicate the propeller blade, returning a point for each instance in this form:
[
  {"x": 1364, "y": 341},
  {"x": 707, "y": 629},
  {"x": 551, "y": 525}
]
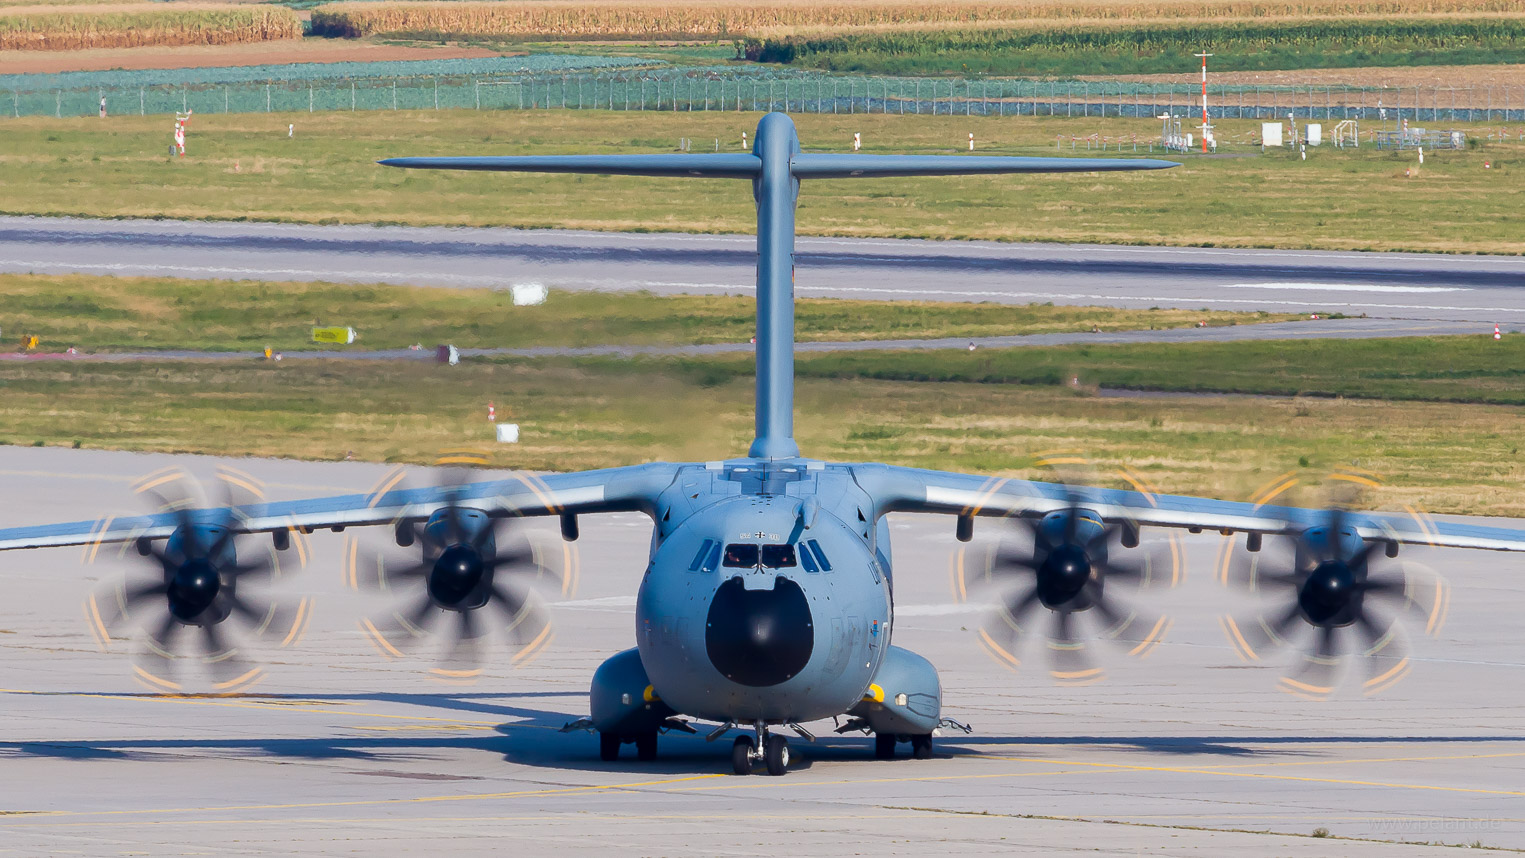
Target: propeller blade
[
  {"x": 1263, "y": 570},
  {"x": 1256, "y": 636},
  {"x": 1336, "y": 526},
  {"x": 453, "y": 524},
  {"x": 372, "y": 570},
  {"x": 515, "y": 552},
  {"x": 1386, "y": 653},
  {"x": 401, "y": 631},
  {"x": 282, "y": 622},
  {"x": 109, "y": 608},
  {"x": 1002, "y": 633},
  {"x": 231, "y": 672},
  {"x": 1070, "y": 662},
  {"x": 264, "y": 567},
  {"x": 1361, "y": 559},
  {"x": 1319, "y": 669},
  {"x": 527, "y": 624},
  {"x": 154, "y": 662},
  {"x": 1144, "y": 632},
  {"x": 463, "y": 655},
  {"x": 1424, "y": 594}
]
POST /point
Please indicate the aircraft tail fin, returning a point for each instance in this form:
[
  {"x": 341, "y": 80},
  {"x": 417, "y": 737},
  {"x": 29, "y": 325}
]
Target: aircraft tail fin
[{"x": 776, "y": 166}]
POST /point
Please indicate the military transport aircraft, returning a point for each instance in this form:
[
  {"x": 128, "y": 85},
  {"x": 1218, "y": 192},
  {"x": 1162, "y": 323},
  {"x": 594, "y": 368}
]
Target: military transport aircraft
[{"x": 768, "y": 598}]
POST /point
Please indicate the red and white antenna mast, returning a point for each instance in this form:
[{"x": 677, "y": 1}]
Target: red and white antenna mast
[{"x": 1205, "y": 126}]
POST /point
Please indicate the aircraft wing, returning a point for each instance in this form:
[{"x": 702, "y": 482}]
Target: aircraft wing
[
  {"x": 915, "y": 490},
  {"x": 610, "y": 490}
]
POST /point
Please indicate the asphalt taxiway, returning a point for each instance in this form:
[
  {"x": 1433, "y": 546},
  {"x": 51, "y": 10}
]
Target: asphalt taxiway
[
  {"x": 1482, "y": 289},
  {"x": 338, "y": 752}
]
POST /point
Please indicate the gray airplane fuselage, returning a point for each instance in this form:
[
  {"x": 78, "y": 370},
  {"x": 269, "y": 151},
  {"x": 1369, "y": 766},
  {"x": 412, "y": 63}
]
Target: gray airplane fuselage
[{"x": 767, "y": 595}]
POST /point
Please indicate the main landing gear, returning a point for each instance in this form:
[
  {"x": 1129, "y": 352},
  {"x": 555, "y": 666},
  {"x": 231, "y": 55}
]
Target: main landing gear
[
  {"x": 774, "y": 753},
  {"x": 884, "y": 745}
]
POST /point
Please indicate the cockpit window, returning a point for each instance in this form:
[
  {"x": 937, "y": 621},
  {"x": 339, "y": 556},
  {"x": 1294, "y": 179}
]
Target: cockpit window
[
  {"x": 704, "y": 551},
  {"x": 807, "y": 560},
  {"x": 741, "y": 555},
  {"x": 820, "y": 556},
  {"x": 778, "y": 556}
]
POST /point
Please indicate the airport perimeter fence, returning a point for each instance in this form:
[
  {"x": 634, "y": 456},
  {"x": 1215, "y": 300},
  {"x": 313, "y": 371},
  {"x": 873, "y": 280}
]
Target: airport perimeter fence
[{"x": 683, "y": 90}]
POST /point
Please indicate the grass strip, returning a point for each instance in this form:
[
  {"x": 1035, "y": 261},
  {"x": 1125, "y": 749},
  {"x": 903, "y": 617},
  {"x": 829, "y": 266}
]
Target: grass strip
[
  {"x": 582, "y": 413},
  {"x": 245, "y": 167},
  {"x": 105, "y": 314}
]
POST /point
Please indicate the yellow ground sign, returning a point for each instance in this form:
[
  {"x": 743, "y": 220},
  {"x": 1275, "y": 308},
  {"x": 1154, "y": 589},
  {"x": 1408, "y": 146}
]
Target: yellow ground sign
[{"x": 342, "y": 336}]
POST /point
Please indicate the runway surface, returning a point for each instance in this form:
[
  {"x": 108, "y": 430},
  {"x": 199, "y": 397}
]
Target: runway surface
[
  {"x": 1482, "y": 289},
  {"x": 1187, "y": 753}
]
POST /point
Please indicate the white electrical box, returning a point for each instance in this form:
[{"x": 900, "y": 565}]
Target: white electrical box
[
  {"x": 529, "y": 294},
  {"x": 508, "y": 433},
  {"x": 1270, "y": 134},
  {"x": 1315, "y": 134}
]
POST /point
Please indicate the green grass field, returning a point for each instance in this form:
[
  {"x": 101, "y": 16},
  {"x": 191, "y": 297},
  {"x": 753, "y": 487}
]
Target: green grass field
[
  {"x": 106, "y": 314},
  {"x": 242, "y": 166},
  {"x": 1461, "y": 455}
]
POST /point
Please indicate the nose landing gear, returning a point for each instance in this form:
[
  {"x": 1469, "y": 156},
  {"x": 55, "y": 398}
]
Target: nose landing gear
[
  {"x": 645, "y": 746},
  {"x": 884, "y": 745},
  {"x": 773, "y": 753}
]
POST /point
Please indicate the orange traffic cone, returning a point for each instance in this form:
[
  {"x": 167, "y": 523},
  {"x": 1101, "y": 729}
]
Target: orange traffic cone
[
  {"x": 1496, "y": 334},
  {"x": 492, "y": 413}
]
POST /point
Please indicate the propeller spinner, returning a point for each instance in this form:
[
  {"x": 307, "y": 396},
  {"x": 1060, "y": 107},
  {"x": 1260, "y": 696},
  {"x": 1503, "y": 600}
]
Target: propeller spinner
[
  {"x": 475, "y": 571},
  {"x": 1329, "y": 578},
  {"x": 194, "y": 582},
  {"x": 1068, "y": 562}
]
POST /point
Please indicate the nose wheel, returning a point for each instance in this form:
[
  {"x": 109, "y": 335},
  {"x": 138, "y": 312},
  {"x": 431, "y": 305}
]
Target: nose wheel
[
  {"x": 777, "y": 755},
  {"x": 774, "y": 753}
]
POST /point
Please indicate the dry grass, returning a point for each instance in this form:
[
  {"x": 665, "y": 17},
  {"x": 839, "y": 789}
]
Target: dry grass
[
  {"x": 102, "y": 314},
  {"x": 1351, "y": 200},
  {"x": 1446, "y": 457},
  {"x": 136, "y": 25},
  {"x": 707, "y": 18}
]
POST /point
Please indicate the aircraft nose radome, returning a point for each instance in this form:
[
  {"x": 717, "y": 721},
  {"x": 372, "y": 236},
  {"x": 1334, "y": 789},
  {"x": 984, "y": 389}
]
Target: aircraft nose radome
[{"x": 759, "y": 638}]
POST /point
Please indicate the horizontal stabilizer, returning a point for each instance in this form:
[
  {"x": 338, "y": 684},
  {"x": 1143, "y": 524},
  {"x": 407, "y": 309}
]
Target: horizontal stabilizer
[
  {"x": 811, "y": 166},
  {"x": 802, "y": 166},
  {"x": 715, "y": 166}
]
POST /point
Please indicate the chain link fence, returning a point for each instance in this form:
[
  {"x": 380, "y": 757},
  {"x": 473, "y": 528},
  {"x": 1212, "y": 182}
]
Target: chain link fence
[{"x": 685, "y": 90}]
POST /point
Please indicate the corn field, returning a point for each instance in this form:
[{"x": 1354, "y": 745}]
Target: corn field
[
  {"x": 709, "y": 19},
  {"x": 1073, "y": 50},
  {"x": 24, "y": 29}
]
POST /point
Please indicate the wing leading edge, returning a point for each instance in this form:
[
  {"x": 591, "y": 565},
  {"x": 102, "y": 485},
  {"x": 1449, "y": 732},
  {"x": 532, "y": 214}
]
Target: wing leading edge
[
  {"x": 898, "y": 489},
  {"x": 631, "y": 489}
]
